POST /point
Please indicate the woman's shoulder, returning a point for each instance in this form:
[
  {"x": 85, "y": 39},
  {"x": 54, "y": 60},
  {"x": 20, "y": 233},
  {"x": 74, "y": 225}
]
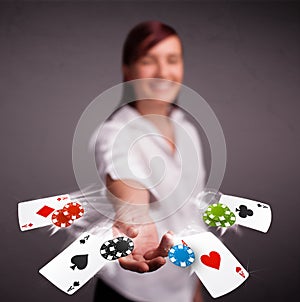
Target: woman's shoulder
[
  {"x": 123, "y": 114},
  {"x": 118, "y": 120},
  {"x": 120, "y": 117}
]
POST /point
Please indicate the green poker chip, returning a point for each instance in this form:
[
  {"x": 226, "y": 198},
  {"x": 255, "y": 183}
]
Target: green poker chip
[
  {"x": 219, "y": 215},
  {"x": 223, "y": 224},
  {"x": 218, "y": 211}
]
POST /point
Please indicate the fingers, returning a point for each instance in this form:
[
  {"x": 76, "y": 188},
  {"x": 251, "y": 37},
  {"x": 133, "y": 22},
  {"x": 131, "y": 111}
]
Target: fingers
[
  {"x": 166, "y": 243},
  {"x": 156, "y": 263},
  {"x": 136, "y": 264},
  {"x": 139, "y": 265},
  {"x": 152, "y": 260},
  {"x": 128, "y": 230},
  {"x": 162, "y": 250}
]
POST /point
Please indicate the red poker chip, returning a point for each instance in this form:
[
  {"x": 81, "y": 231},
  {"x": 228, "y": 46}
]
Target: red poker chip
[
  {"x": 61, "y": 220},
  {"x": 73, "y": 210}
]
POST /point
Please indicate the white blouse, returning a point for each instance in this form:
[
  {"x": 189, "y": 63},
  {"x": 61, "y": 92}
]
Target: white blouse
[{"x": 129, "y": 146}]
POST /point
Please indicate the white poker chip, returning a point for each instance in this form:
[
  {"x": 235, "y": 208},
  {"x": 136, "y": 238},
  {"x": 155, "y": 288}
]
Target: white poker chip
[{"x": 117, "y": 248}]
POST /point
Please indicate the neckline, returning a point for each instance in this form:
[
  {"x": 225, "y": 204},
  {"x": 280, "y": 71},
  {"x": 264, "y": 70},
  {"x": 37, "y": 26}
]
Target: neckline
[{"x": 175, "y": 113}]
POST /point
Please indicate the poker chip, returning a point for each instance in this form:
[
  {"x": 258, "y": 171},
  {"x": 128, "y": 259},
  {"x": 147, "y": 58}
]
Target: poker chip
[
  {"x": 219, "y": 215},
  {"x": 223, "y": 224},
  {"x": 73, "y": 210},
  {"x": 181, "y": 255},
  {"x": 218, "y": 211},
  {"x": 116, "y": 248},
  {"x": 60, "y": 220}
]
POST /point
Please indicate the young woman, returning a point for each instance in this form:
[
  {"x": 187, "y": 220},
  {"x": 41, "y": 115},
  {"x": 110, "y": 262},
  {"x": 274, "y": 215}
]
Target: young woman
[{"x": 153, "y": 63}]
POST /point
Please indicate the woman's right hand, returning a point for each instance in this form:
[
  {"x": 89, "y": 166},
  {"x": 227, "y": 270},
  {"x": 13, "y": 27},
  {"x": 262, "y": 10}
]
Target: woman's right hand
[
  {"x": 131, "y": 201},
  {"x": 148, "y": 254}
]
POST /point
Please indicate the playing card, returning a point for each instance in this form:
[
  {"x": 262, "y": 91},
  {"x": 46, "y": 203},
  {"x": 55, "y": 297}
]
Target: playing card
[
  {"x": 75, "y": 265},
  {"x": 249, "y": 213},
  {"x": 37, "y": 213},
  {"x": 217, "y": 268}
]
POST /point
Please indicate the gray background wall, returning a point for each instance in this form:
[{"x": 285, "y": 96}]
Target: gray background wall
[{"x": 242, "y": 57}]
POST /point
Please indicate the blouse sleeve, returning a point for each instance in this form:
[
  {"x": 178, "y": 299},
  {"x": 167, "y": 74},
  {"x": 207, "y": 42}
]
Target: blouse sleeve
[{"x": 119, "y": 153}]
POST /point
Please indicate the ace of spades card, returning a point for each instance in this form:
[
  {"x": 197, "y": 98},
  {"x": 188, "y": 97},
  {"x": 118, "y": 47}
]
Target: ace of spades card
[
  {"x": 217, "y": 268},
  {"x": 75, "y": 265},
  {"x": 249, "y": 213}
]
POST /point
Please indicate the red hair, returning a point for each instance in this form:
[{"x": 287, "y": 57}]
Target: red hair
[{"x": 142, "y": 37}]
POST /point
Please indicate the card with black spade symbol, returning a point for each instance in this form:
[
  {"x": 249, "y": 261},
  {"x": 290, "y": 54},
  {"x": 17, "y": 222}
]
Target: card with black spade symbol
[
  {"x": 249, "y": 213},
  {"x": 75, "y": 265}
]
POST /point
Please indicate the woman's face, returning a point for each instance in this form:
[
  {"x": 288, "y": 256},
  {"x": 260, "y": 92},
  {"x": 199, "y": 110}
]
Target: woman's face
[{"x": 163, "y": 63}]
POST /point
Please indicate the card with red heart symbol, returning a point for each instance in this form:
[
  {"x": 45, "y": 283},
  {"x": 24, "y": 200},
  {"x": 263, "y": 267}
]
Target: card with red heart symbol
[{"x": 217, "y": 268}]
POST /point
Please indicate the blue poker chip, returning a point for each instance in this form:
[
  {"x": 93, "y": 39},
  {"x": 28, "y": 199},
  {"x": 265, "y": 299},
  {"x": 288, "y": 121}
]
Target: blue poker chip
[{"x": 181, "y": 255}]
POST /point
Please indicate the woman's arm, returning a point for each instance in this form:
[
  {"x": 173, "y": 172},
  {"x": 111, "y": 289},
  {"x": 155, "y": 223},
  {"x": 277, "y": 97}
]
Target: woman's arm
[{"x": 131, "y": 201}]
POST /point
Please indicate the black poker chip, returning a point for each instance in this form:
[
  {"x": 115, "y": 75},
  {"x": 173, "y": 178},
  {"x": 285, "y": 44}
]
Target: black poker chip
[{"x": 116, "y": 248}]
